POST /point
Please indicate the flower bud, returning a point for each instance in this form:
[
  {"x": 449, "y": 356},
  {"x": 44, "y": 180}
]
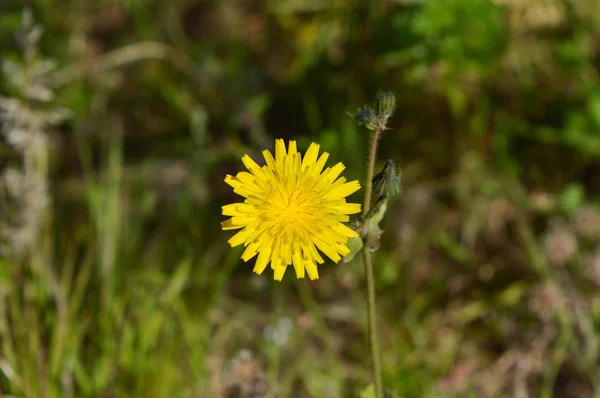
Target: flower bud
[
  {"x": 366, "y": 117},
  {"x": 387, "y": 182},
  {"x": 386, "y": 103}
]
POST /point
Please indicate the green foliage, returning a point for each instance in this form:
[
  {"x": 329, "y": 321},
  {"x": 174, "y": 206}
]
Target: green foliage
[{"x": 469, "y": 35}]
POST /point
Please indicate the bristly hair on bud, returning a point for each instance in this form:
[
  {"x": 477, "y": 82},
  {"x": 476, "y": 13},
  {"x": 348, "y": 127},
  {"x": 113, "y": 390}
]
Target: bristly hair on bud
[
  {"x": 366, "y": 117},
  {"x": 386, "y": 104},
  {"x": 387, "y": 182}
]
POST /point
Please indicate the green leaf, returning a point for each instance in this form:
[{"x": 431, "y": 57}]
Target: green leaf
[
  {"x": 355, "y": 245},
  {"x": 374, "y": 232}
]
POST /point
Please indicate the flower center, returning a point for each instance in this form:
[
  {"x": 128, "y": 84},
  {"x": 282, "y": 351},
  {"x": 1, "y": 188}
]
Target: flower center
[{"x": 292, "y": 209}]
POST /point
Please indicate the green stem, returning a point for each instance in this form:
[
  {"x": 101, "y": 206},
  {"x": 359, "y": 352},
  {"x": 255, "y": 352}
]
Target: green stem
[
  {"x": 370, "y": 168},
  {"x": 368, "y": 264}
]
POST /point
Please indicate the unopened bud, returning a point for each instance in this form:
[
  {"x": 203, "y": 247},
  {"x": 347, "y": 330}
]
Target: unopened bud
[
  {"x": 387, "y": 182},
  {"x": 386, "y": 104},
  {"x": 366, "y": 117}
]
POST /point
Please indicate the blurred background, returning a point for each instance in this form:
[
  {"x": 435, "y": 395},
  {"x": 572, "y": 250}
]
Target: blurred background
[{"x": 120, "y": 118}]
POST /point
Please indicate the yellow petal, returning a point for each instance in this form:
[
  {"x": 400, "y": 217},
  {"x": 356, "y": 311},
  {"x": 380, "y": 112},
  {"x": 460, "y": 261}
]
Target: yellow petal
[
  {"x": 328, "y": 250},
  {"x": 279, "y": 271},
  {"x": 311, "y": 270},
  {"x": 236, "y": 209},
  {"x": 318, "y": 167},
  {"x": 292, "y": 147},
  {"x": 333, "y": 173},
  {"x": 262, "y": 260},
  {"x": 342, "y": 249},
  {"x": 227, "y": 224},
  {"x": 280, "y": 153},
  {"x": 343, "y": 191},
  {"x": 344, "y": 231},
  {"x": 348, "y": 208},
  {"x": 269, "y": 159},
  {"x": 298, "y": 262},
  {"x": 250, "y": 251},
  {"x": 311, "y": 156},
  {"x": 250, "y": 163},
  {"x": 240, "y": 237}
]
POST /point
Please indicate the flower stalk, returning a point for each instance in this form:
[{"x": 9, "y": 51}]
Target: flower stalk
[
  {"x": 387, "y": 185},
  {"x": 368, "y": 264}
]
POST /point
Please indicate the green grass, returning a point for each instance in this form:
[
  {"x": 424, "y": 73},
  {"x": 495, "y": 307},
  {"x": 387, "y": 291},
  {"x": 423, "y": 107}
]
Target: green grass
[{"x": 116, "y": 280}]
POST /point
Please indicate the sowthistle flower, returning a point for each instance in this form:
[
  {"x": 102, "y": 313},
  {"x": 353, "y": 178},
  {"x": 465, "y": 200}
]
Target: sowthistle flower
[{"x": 292, "y": 208}]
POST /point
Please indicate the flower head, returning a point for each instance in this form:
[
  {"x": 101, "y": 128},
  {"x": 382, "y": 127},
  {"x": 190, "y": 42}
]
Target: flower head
[{"x": 292, "y": 207}]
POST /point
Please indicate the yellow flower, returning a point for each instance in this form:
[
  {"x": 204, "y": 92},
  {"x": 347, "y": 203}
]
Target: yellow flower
[{"x": 291, "y": 206}]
